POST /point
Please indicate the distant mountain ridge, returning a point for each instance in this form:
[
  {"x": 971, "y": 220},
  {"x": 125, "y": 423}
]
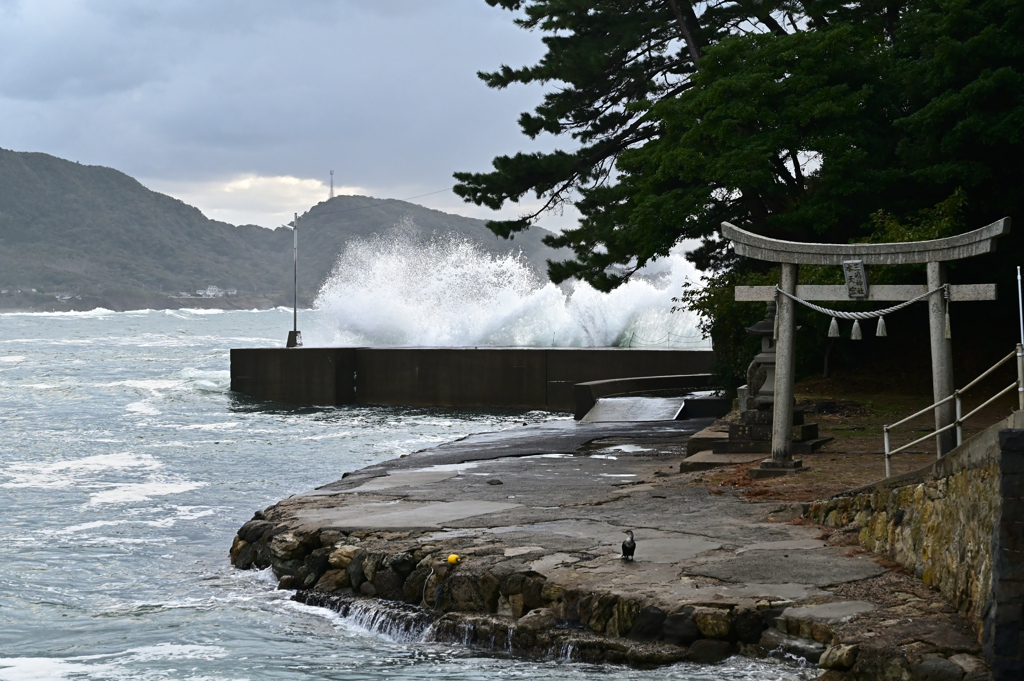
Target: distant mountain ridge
[{"x": 97, "y": 233}]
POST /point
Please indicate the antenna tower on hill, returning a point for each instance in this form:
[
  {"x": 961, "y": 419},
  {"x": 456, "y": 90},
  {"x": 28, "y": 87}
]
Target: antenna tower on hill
[{"x": 332, "y": 185}]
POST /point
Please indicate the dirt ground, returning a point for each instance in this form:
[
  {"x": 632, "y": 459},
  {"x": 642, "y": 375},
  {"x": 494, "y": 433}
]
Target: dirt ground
[{"x": 853, "y": 412}]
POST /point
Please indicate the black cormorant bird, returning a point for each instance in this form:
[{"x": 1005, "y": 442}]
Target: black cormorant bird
[{"x": 628, "y": 546}]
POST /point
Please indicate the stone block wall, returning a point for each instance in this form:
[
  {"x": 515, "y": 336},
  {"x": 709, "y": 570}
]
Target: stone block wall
[
  {"x": 941, "y": 530},
  {"x": 958, "y": 525},
  {"x": 1003, "y": 632}
]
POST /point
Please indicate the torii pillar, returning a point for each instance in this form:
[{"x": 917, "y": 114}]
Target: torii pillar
[{"x": 791, "y": 254}]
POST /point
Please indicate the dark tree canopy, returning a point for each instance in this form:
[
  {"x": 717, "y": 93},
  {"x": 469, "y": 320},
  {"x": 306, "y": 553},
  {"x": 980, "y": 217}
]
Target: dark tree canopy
[
  {"x": 810, "y": 120},
  {"x": 794, "y": 118}
]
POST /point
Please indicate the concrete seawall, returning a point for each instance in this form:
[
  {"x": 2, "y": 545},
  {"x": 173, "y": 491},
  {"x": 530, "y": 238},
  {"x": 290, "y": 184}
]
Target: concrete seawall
[{"x": 511, "y": 378}]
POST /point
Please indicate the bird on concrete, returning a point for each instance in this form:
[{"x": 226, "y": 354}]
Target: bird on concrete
[{"x": 628, "y": 546}]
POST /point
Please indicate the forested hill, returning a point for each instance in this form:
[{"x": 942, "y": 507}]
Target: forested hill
[{"x": 99, "y": 235}]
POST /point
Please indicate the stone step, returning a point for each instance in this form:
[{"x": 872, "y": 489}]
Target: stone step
[
  {"x": 741, "y": 431},
  {"x": 765, "y": 446},
  {"x": 764, "y": 417},
  {"x": 707, "y": 459},
  {"x": 810, "y": 446},
  {"x": 742, "y": 447}
]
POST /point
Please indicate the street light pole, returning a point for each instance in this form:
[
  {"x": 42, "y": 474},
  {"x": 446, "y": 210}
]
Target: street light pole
[{"x": 294, "y": 336}]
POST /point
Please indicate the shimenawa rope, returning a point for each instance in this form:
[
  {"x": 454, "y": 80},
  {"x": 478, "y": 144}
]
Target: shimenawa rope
[{"x": 855, "y": 333}]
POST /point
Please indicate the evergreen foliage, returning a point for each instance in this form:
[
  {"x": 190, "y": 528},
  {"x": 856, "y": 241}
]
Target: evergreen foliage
[{"x": 808, "y": 120}]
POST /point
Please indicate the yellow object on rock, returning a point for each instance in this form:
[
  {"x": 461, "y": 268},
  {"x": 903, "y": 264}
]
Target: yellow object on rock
[{"x": 454, "y": 559}]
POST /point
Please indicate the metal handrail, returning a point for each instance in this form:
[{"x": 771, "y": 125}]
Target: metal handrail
[{"x": 1018, "y": 352}]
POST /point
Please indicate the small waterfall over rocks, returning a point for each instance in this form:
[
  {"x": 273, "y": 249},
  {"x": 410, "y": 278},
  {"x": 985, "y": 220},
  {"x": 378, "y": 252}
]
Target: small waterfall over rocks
[
  {"x": 567, "y": 641},
  {"x": 397, "y": 621}
]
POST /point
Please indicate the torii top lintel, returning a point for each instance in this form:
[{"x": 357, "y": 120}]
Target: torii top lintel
[{"x": 977, "y": 242}]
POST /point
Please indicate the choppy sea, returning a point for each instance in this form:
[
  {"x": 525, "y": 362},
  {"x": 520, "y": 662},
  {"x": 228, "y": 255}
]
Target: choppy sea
[{"x": 127, "y": 465}]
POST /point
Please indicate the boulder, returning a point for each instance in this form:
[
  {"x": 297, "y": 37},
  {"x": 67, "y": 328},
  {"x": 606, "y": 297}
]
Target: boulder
[
  {"x": 774, "y": 640},
  {"x": 515, "y": 603},
  {"x": 601, "y": 612},
  {"x": 489, "y": 588},
  {"x": 512, "y": 584},
  {"x": 330, "y": 538},
  {"x": 286, "y": 546},
  {"x": 389, "y": 585},
  {"x": 713, "y": 622},
  {"x": 622, "y": 618},
  {"x": 840, "y": 657},
  {"x": 402, "y": 563},
  {"x": 647, "y": 625},
  {"x": 333, "y": 580},
  {"x": 355, "y": 569},
  {"x": 680, "y": 629},
  {"x": 367, "y": 589},
  {"x": 243, "y": 554},
  {"x": 709, "y": 651},
  {"x": 289, "y": 583},
  {"x": 464, "y": 594},
  {"x": 552, "y": 593},
  {"x": 539, "y": 619},
  {"x": 317, "y": 564},
  {"x": 412, "y": 589},
  {"x": 939, "y": 669},
  {"x": 371, "y": 562},
  {"x": 341, "y": 556},
  {"x": 978, "y": 675},
  {"x": 296, "y": 568},
  {"x": 748, "y": 624},
  {"x": 254, "y": 530},
  {"x": 533, "y": 587}
]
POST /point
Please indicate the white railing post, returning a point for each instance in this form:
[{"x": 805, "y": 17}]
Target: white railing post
[
  {"x": 959, "y": 423},
  {"x": 1020, "y": 376},
  {"x": 888, "y": 465}
]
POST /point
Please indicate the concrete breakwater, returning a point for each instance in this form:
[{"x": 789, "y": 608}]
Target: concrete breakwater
[
  {"x": 536, "y": 516},
  {"x": 512, "y": 378}
]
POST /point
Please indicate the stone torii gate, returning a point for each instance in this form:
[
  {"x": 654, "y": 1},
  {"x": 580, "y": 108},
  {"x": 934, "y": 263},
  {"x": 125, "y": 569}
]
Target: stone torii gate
[{"x": 853, "y": 257}]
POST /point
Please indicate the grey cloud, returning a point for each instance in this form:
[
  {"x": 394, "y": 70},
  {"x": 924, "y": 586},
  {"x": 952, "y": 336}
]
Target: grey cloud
[{"x": 383, "y": 92}]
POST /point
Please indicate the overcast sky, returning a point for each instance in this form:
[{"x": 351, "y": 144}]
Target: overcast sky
[{"x": 242, "y": 107}]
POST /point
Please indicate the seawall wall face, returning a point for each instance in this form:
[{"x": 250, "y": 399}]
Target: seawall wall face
[
  {"x": 323, "y": 376},
  {"x": 959, "y": 526},
  {"x": 512, "y": 378}
]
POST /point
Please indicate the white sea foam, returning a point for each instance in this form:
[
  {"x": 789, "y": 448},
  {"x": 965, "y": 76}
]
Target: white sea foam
[
  {"x": 152, "y": 384},
  {"x": 227, "y": 425},
  {"x": 141, "y": 491},
  {"x": 142, "y": 408},
  {"x": 200, "y": 311},
  {"x": 13, "y": 358},
  {"x": 93, "y": 313},
  {"x": 391, "y": 290},
  {"x": 65, "y": 473},
  {"x": 110, "y": 666}
]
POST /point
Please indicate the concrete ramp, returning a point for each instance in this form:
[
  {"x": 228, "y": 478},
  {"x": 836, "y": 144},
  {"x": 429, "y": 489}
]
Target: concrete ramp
[{"x": 613, "y": 409}]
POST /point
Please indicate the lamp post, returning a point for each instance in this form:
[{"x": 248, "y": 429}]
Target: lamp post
[{"x": 295, "y": 336}]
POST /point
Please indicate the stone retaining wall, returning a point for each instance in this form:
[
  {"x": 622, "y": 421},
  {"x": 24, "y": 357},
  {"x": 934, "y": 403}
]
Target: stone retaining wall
[
  {"x": 496, "y": 602},
  {"x": 957, "y": 525}
]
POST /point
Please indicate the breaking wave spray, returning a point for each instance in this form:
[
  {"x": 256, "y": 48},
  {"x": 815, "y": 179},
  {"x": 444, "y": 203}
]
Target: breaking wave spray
[{"x": 395, "y": 290}]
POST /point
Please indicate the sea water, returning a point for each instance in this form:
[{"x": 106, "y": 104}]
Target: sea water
[{"x": 127, "y": 465}]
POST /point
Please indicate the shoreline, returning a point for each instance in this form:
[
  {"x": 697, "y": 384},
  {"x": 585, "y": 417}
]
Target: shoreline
[
  {"x": 28, "y": 303},
  {"x": 536, "y": 515}
]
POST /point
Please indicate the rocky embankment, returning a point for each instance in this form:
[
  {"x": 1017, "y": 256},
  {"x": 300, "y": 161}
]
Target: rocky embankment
[{"x": 536, "y": 519}]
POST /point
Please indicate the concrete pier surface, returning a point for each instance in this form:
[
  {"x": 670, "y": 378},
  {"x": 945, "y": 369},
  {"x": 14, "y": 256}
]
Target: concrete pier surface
[{"x": 537, "y": 516}]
